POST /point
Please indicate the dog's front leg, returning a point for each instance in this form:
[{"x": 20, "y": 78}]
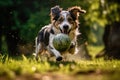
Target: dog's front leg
[
  {"x": 73, "y": 48},
  {"x": 53, "y": 51}
]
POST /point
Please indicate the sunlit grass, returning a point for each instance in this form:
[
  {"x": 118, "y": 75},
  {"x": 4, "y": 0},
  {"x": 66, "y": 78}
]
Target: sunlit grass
[
  {"x": 28, "y": 65},
  {"x": 12, "y": 67},
  {"x": 93, "y": 50}
]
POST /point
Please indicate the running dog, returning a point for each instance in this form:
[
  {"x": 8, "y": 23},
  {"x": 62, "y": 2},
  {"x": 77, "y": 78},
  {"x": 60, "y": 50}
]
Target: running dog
[{"x": 62, "y": 21}]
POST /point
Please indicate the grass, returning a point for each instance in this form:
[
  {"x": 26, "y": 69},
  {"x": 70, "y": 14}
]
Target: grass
[{"x": 27, "y": 67}]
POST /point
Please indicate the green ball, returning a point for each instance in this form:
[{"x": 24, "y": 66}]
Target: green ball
[{"x": 61, "y": 42}]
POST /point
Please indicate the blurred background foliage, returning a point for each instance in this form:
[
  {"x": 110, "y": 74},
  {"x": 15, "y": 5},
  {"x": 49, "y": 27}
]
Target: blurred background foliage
[{"x": 26, "y": 17}]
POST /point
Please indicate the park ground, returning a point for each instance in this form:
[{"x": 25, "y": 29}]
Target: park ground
[{"x": 27, "y": 68}]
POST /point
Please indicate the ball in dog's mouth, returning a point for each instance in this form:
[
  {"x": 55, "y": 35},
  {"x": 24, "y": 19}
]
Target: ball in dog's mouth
[{"x": 61, "y": 42}]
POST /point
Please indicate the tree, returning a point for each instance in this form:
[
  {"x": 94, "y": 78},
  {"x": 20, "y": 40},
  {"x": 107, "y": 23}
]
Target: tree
[{"x": 112, "y": 30}]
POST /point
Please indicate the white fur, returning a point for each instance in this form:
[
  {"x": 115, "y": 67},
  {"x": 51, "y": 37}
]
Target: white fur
[{"x": 65, "y": 22}]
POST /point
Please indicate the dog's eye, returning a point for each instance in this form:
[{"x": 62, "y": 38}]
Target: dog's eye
[
  {"x": 70, "y": 19},
  {"x": 61, "y": 19}
]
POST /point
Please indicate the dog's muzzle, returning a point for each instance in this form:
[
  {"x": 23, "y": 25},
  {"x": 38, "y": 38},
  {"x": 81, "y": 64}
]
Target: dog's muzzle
[{"x": 65, "y": 29}]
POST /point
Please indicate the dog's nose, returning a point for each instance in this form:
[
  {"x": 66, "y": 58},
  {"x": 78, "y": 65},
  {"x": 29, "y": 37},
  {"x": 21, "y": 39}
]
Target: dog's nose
[{"x": 65, "y": 27}]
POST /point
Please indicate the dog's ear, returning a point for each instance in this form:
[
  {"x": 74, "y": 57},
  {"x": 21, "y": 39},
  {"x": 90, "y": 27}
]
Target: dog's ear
[
  {"x": 55, "y": 12},
  {"x": 75, "y": 11}
]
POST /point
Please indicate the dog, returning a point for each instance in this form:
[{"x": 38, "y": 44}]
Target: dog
[{"x": 62, "y": 21}]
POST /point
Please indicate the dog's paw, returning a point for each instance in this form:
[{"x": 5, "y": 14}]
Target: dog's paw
[
  {"x": 59, "y": 58},
  {"x": 72, "y": 45}
]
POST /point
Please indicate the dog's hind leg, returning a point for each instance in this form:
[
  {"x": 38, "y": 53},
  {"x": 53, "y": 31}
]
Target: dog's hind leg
[{"x": 38, "y": 48}]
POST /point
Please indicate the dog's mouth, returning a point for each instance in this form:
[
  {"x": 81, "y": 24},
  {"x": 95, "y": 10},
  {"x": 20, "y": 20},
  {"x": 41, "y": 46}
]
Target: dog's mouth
[{"x": 65, "y": 31}]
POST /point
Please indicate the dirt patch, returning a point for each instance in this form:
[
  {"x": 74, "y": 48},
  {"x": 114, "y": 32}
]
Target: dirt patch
[
  {"x": 81, "y": 75},
  {"x": 38, "y": 76}
]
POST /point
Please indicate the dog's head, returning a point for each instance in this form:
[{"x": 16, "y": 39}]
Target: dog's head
[{"x": 65, "y": 20}]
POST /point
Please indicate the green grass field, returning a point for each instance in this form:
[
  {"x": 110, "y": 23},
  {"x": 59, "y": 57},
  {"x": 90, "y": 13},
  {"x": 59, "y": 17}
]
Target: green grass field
[{"x": 27, "y": 68}]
